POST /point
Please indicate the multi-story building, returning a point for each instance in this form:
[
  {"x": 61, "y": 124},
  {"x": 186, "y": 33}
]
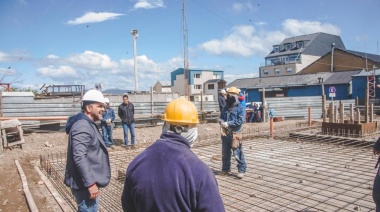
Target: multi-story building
[
  {"x": 197, "y": 81},
  {"x": 294, "y": 54}
]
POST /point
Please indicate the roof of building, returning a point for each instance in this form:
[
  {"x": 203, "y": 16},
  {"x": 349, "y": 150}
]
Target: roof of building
[
  {"x": 213, "y": 80},
  {"x": 367, "y": 73},
  {"x": 374, "y": 57},
  {"x": 317, "y": 44},
  {"x": 165, "y": 83},
  {"x": 295, "y": 80}
]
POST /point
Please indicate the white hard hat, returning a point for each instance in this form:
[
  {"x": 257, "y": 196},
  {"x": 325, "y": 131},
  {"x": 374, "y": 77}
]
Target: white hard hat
[
  {"x": 93, "y": 96},
  {"x": 106, "y": 100},
  {"x": 223, "y": 91}
]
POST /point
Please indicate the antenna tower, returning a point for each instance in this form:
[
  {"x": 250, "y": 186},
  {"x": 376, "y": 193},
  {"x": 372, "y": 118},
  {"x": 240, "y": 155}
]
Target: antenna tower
[{"x": 185, "y": 52}]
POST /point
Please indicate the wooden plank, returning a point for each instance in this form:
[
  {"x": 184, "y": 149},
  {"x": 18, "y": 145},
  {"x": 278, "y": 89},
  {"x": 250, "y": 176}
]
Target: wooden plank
[
  {"x": 4, "y": 137},
  {"x": 10, "y": 123},
  {"x": 61, "y": 202},
  {"x": 15, "y": 143},
  {"x": 1, "y": 143},
  {"x": 29, "y": 199}
]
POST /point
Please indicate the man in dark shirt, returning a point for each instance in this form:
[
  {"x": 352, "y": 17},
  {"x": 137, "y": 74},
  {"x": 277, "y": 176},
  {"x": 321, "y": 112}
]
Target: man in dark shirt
[
  {"x": 376, "y": 183},
  {"x": 126, "y": 112},
  {"x": 168, "y": 176}
]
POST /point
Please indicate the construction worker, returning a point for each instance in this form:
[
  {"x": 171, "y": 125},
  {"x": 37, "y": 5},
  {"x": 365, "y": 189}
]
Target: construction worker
[
  {"x": 222, "y": 99},
  {"x": 87, "y": 166},
  {"x": 168, "y": 176},
  {"x": 106, "y": 123},
  {"x": 231, "y": 120},
  {"x": 376, "y": 183}
]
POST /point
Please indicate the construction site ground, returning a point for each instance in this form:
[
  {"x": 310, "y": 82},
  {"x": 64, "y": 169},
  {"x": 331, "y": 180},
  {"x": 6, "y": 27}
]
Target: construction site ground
[{"x": 284, "y": 174}]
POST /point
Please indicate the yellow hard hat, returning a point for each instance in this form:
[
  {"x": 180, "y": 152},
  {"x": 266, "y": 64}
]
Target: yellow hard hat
[
  {"x": 233, "y": 90},
  {"x": 181, "y": 111}
]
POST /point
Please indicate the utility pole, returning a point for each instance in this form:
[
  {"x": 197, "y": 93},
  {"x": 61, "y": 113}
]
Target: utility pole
[
  {"x": 332, "y": 57},
  {"x": 135, "y": 35},
  {"x": 185, "y": 52}
]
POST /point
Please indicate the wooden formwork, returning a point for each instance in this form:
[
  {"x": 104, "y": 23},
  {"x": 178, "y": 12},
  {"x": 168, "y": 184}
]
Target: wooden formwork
[{"x": 11, "y": 134}]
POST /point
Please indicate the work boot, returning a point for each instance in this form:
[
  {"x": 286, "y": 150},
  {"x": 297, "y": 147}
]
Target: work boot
[
  {"x": 240, "y": 175},
  {"x": 224, "y": 173}
]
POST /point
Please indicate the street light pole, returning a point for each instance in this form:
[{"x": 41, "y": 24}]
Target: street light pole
[{"x": 134, "y": 34}]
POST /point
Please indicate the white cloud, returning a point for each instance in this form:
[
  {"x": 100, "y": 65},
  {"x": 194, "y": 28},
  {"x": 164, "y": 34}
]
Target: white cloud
[
  {"x": 91, "y": 60},
  {"x": 6, "y": 71},
  {"x": 261, "y": 23},
  {"x": 92, "y": 17},
  {"x": 237, "y": 7},
  {"x": 240, "y": 42},
  {"x": 13, "y": 57},
  {"x": 295, "y": 27},
  {"x": 246, "y": 41},
  {"x": 61, "y": 73},
  {"x": 89, "y": 68},
  {"x": 360, "y": 38},
  {"x": 148, "y": 4},
  {"x": 52, "y": 56}
]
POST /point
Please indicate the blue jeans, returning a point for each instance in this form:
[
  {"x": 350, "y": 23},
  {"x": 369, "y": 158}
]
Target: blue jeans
[
  {"x": 252, "y": 117},
  {"x": 131, "y": 128},
  {"x": 85, "y": 204},
  {"x": 226, "y": 155},
  {"x": 107, "y": 133}
]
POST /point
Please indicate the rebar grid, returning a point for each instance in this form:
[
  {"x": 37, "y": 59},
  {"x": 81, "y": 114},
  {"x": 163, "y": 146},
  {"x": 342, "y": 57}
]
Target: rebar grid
[{"x": 303, "y": 171}]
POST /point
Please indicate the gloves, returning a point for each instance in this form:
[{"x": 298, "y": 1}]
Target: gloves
[
  {"x": 108, "y": 122},
  {"x": 224, "y": 124}
]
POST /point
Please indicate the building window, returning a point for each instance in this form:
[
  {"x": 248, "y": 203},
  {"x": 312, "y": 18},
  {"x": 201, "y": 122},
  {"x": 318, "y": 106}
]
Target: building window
[
  {"x": 210, "y": 86},
  {"x": 289, "y": 70},
  {"x": 197, "y": 87},
  {"x": 197, "y": 75},
  {"x": 217, "y": 76},
  {"x": 299, "y": 44},
  {"x": 287, "y": 46},
  {"x": 276, "y": 48},
  {"x": 277, "y": 71},
  {"x": 265, "y": 72}
]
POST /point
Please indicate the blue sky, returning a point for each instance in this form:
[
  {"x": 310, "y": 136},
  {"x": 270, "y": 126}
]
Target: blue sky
[{"x": 89, "y": 41}]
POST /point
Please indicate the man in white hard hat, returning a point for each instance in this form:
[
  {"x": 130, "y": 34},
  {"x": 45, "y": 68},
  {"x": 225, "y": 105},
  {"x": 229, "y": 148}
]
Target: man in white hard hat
[
  {"x": 87, "y": 165},
  {"x": 106, "y": 123},
  {"x": 168, "y": 176},
  {"x": 222, "y": 99}
]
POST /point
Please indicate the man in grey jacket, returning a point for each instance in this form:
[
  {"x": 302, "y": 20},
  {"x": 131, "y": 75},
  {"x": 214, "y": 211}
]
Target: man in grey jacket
[{"x": 87, "y": 165}]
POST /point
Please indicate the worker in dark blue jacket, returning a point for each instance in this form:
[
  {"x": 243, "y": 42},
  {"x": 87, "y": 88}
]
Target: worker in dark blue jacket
[
  {"x": 231, "y": 120},
  {"x": 376, "y": 183},
  {"x": 168, "y": 176}
]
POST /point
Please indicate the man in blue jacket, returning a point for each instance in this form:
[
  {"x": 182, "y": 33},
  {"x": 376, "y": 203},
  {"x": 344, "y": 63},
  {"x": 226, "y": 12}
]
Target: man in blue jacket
[
  {"x": 87, "y": 165},
  {"x": 106, "y": 123},
  {"x": 231, "y": 120},
  {"x": 168, "y": 176}
]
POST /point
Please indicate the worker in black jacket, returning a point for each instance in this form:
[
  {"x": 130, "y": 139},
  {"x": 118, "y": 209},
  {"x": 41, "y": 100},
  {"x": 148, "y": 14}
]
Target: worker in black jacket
[{"x": 126, "y": 112}]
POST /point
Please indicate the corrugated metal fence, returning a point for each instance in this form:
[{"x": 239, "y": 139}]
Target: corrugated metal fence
[{"x": 26, "y": 106}]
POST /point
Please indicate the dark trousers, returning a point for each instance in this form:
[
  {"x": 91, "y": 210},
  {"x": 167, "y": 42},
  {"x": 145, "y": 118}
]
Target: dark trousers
[{"x": 376, "y": 191}]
